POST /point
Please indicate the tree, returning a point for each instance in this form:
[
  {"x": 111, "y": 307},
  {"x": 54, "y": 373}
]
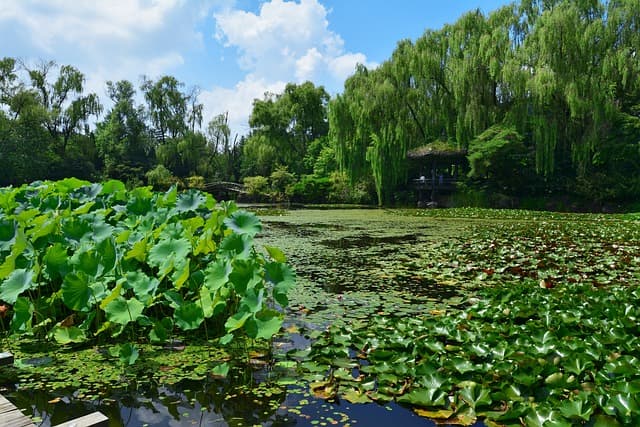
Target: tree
[
  {"x": 67, "y": 110},
  {"x": 287, "y": 123},
  {"x": 122, "y": 138}
]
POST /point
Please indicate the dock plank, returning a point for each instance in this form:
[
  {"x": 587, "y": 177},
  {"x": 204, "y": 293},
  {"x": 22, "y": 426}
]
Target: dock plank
[
  {"x": 6, "y": 359},
  {"x": 95, "y": 419},
  {"x": 10, "y": 416}
]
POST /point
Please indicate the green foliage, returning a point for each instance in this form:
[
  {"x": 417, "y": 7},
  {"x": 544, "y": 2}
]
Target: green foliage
[
  {"x": 311, "y": 189},
  {"x": 520, "y": 68},
  {"x": 256, "y": 186},
  {"x": 160, "y": 178},
  {"x": 499, "y": 156},
  {"x": 96, "y": 259},
  {"x": 547, "y": 335},
  {"x": 284, "y": 127}
]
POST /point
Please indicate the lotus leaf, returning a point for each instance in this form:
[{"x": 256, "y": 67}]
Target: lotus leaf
[
  {"x": 18, "y": 282},
  {"x": 123, "y": 311}
]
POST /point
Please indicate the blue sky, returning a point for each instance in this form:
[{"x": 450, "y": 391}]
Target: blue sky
[{"x": 233, "y": 50}]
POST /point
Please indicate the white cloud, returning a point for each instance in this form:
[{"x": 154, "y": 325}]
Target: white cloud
[
  {"x": 238, "y": 100},
  {"x": 286, "y": 41}
]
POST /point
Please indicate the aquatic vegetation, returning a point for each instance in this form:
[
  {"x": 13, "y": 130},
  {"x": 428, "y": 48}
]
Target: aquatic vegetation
[
  {"x": 546, "y": 336},
  {"x": 84, "y": 263}
]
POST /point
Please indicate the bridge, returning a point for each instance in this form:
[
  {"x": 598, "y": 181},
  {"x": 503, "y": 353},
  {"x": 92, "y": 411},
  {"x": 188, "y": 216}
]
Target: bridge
[{"x": 224, "y": 189}]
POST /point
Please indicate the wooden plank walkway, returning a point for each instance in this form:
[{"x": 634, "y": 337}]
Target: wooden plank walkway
[{"x": 10, "y": 416}]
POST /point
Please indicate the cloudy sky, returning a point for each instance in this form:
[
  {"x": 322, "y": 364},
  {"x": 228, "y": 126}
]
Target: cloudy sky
[{"x": 233, "y": 50}]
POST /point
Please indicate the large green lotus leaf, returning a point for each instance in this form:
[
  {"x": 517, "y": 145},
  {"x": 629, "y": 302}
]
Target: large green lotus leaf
[
  {"x": 236, "y": 321},
  {"x": 86, "y": 260},
  {"x": 243, "y": 222},
  {"x": 217, "y": 274},
  {"x": 282, "y": 278},
  {"x": 113, "y": 187},
  {"x": 476, "y": 396},
  {"x": 188, "y": 316},
  {"x": 244, "y": 276},
  {"x": 138, "y": 251},
  {"x": 252, "y": 300},
  {"x": 108, "y": 256},
  {"x": 67, "y": 335},
  {"x": 9, "y": 264},
  {"x": 87, "y": 193},
  {"x": 68, "y": 185},
  {"x": 169, "y": 198},
  {"x": 139, "y": 205},
  {"x": 161, "y": 330},
  {"x": 168, "y": 250},
  {"x": 236, "y": 245},
  {"x": 8, "y": 230},
  {"x": 18, "y": 281},
  {"x": 577, "y": 409},
  {"x": 181, "y": 273},
  {"x": 128, "y": 354},
  {"x": 263, "y": 325},
  {"x": 276, "y": 254},
  {"x": 56, "y": 260},
  {"x": 540, "y": 416},
  {"x": 425, "y": 397},
  {"x": 74, "y": 228},
  {"x": 144, "y": 287},
  {"x": 123, "y": 311},
  {"x": 101, "y": 231},
  {"x": 23, "y": 311},
  {"x": 190, "y": 200}
]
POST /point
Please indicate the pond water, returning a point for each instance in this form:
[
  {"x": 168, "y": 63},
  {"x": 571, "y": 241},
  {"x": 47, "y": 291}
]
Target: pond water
[{"x": 350, "y": 264}]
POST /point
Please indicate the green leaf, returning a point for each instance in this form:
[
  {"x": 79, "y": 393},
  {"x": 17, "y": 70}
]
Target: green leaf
[
  {"x": 128, "y": 354},
  {"x": 57, "y": 261},
  {"x": 217, "y": 274},
  {"x": 144, "y": 287},
  {"x": 23, "y": 311},
  {"x": 236, "y": 321},
  {"x": 425, "y": 397},
  {"x": 76, "y": 292},
  {"x": 190, "y": 200},
  {"x": 263, "y": 325},
  {"x": 576, "y": 409},
  {"x": 188, "y": 316},
  {"x": 276, "y": 254},
  {"x": 68, "y": 335},
  {"x": 8, "y": 231},
  {"x": 283, "y": 279},
  {"x": 244, "y": 223},
  {"x": 17, "y": 282},
  {"x": 161, "y": 330},
  {"x": 123, "y": 311},
  {"x": 236, "y": 245},
  {"x": 476, "y": 396},
  {"x": 166, "y": 251},
  {"x": 221, "y": 370},
  {"x": 252, "y": 300}
]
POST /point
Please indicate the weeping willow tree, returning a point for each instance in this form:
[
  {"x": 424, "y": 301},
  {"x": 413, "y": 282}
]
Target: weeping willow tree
[{"x": 561, "y": 73}]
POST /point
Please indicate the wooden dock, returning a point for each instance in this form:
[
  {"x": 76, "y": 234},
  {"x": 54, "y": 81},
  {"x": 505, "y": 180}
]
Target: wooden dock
[{"x": 10, "y": 416}]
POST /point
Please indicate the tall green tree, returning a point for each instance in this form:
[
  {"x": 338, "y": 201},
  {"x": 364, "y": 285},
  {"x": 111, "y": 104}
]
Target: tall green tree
[
  {"x": 283, "y": 126},
  {"x": 122, "y": 138},
  {"x": 68, "y": 110}
]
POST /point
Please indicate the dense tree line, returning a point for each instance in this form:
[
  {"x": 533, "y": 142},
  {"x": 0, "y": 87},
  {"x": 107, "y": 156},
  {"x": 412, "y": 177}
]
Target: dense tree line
[
  {"x": 50, "y": 128},
  {"x": 551, "y": 88}
]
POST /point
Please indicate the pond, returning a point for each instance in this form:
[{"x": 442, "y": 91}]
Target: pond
[{"x": 350, "y": 264}]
